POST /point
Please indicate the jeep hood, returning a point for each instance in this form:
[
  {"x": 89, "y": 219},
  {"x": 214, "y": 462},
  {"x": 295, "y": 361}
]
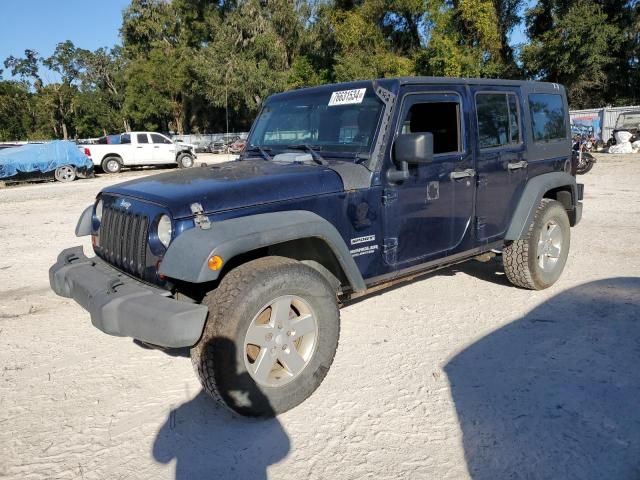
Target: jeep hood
[{"x": 231, "y": 185}]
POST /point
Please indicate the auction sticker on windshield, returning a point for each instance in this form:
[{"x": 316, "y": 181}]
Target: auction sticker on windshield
[{"x": 346, "y": 97}]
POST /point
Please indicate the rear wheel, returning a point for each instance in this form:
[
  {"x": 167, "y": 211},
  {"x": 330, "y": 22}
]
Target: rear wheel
[
  {"x": 111, "y": 165},
  {"x": 65, "y": 173},
  {"x": 270, "y": 337},
  {"x": 537, "y": 260}
]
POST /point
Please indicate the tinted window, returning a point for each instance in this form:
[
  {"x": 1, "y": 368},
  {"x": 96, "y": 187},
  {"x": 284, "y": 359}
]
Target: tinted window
[
  {"x": 142, "y": 138},
  {"x": 498, "y": 123},
  {"x": 156, "y": 138},
  {"x": 125, "y": 138},
  {"x": 442, "y": 119},
  {"x": 547, "y": 117}
]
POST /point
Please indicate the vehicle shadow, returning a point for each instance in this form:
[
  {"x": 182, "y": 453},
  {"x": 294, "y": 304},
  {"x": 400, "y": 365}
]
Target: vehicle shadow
[
  {"x": 555, "y": 394},
  {"x": 489, "y": 271},
  {"x": 209, "y": 442}
]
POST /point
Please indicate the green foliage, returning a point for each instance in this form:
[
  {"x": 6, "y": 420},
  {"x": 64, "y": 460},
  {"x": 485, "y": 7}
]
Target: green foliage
[
  {"x": 16, "y": 107},
  {"x": 587, "y": 46},
  {"x": 185, "y": 64}
]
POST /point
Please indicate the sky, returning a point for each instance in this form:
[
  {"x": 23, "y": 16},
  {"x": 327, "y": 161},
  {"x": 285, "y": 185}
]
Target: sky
[{"x": 41, "y": 24}]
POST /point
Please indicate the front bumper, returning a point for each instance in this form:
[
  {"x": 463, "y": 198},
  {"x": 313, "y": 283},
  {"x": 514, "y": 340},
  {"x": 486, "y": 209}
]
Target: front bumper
[{"x": 122, "y": 306}]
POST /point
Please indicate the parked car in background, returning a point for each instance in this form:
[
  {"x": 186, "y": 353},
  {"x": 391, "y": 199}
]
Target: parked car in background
[
  {"x": 59, "y": 160},
  {"x": 627, "y": 122},
  {"x": 217, "y": 146},
  {"x": 113, "y": 152},
  {"x": 8, "y": 145}
]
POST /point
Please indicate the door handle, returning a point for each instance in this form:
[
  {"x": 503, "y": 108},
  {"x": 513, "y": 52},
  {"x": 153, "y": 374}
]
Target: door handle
[
  {"x": 517, "y": 165},
  {"x": 138, "y": 147},
  {"x": 469, "y": 172},
  {"x": 156, "y": 147}
]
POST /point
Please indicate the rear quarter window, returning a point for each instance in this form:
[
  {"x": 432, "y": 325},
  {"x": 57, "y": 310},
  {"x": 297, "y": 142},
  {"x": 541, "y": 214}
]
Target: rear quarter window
[{"x": 548, "y": 119}]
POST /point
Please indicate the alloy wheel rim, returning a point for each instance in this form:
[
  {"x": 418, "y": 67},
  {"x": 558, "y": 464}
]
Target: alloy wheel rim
[
  {"x": 187, "y": 162},
  {"x": 65, "y": 173},
  {"x": 549, "y": 246},
  {"x": 112, "y": 165},
  {"x": 280, "y": 341}
]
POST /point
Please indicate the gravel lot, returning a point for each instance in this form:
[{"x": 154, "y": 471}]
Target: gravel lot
[{"x": 456, "y": 375}]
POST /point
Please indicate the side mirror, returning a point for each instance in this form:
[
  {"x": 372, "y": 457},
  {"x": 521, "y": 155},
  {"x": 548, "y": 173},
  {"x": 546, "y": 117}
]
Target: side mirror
[{"x": 414, "y": 148}]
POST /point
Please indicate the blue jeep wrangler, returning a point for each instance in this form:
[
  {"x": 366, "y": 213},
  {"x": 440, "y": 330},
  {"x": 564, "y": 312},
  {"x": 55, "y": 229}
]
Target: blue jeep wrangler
[{"x": 341, "y": 190}]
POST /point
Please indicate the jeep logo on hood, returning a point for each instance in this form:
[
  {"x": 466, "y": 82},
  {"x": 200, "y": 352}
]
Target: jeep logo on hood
[{"x": 124, "y": 204}]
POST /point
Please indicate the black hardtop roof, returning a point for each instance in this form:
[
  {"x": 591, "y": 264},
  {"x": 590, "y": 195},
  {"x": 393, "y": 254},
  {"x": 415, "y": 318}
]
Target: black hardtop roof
[
  {"x": 528, "y": 85},
  {"x": 470, "y": 81}
]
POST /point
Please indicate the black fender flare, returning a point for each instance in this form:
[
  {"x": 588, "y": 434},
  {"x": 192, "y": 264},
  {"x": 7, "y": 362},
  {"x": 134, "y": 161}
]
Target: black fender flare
[
  {"x": 187, "y": 256},
  {"x": 533, "y": 192}
]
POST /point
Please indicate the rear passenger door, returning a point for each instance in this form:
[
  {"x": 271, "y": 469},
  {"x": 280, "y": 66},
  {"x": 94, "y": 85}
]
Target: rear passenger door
[
  {"x": 143, "y": 153},
  {"x": 501, "y": 159}
]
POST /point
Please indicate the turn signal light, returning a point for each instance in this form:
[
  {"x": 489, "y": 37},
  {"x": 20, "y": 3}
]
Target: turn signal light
[{"x": 214, "y": 263}]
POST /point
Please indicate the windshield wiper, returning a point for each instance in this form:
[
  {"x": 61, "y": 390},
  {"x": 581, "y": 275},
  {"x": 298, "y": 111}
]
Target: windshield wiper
[
  {"x": 314, "y": 154},
  {"x": 262, "y": 151}
]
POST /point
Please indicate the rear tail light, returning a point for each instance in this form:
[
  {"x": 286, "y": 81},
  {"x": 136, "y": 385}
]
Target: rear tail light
[{"x": 87, "y": 152}]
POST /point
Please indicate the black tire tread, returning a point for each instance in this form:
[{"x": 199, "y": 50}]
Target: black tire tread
[
  {"x": 104, "y": 163},
  {"x": 180, "y": 157},
  {"x": 220, "y": 301},
  {"x": 515, "y": 256}
]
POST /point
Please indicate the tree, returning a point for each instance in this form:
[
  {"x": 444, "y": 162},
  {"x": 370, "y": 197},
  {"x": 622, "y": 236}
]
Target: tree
[
  {"x": 571, "y": 44},
  {"x": 250, "y": 56},
  {"x": 464, "y": 40},
  {"x": 16, "y": 111}
]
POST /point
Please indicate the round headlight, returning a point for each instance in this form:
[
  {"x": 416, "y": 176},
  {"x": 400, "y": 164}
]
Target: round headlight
[
  {"x": 99, "y": 210},
  {"x": 164, "y": 230}
]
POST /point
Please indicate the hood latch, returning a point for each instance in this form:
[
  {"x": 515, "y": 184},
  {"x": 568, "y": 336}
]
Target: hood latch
[{"x": 200, "y": 219}]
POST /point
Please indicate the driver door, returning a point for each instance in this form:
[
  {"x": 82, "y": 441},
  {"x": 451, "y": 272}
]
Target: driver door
[
  {"x": 164, "y": 150},
  {"x": 429, "y": 215}
]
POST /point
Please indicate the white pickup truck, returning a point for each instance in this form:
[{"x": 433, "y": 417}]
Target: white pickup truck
[{"x": 113, "y": 152}]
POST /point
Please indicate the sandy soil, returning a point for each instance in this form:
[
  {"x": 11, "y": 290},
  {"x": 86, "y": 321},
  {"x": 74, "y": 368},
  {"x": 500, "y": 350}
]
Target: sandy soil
[{"x": 457, "y": 375}]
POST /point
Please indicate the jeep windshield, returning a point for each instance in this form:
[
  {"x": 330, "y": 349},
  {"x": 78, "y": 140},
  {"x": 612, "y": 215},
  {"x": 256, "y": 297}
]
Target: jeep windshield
[
  {"x": 339, "y": 124},
  {"x": 628, "y": 120}
]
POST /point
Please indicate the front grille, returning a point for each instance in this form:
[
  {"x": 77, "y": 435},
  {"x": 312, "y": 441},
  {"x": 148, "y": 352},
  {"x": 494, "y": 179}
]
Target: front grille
[{"x": 123, "y": 240}]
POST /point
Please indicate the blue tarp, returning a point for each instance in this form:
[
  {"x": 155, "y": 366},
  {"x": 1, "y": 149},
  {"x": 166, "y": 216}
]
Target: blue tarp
[{"x": 41, "y": 158}]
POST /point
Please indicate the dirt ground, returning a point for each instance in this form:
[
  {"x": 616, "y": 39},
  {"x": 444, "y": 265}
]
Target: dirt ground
[{"x": 456, "y": 375}]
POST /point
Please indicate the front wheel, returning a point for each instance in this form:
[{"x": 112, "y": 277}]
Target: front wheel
[
  {"x": 185, "y": 161},
  {"x": 270, "y": 337},
  {"x": 537, "y": 260}
]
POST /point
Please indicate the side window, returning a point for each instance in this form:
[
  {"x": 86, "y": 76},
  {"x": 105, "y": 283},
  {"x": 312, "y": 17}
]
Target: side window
[
  {"x": 125, "y": 138},
  {"x": 442, "y": 119},
  {"x": 498, "y": 119},
  {"x": 548, "y": 119},
  {"x": 157, "y": 138},
  {"x": 142, "y": 138}
]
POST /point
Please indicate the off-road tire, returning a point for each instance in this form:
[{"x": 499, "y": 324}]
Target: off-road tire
[
  {"x": 185, "y": 160},
  {"x": 108, "y": 165},
  {"x": 520, "y": 257},
  {"x": 219, "y": 357}
]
